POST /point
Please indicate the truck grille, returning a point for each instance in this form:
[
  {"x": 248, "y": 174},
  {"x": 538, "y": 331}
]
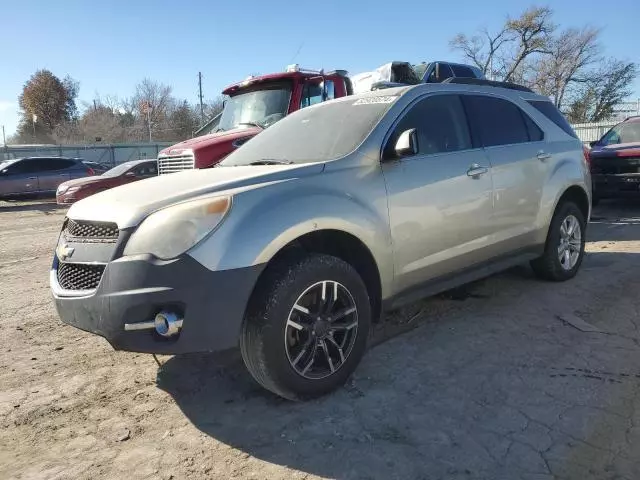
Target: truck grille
[
  {"x": 90, "y": 231},
  {"x": 175, "y": 164},
  {"x": 78, "y": 276}
]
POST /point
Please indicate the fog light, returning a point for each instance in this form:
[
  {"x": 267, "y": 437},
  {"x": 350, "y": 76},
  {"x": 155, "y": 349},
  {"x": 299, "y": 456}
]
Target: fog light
[{"x": 167, "y": 324}]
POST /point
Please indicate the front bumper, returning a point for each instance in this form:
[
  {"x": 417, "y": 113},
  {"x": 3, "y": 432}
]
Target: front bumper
[
  {"x": 134, "y": 289},
  {"x": 616, "y": 185}
]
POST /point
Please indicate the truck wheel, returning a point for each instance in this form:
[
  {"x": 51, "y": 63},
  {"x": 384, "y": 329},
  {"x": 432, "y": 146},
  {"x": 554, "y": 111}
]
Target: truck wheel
[
  {"x": 306, "y": 326},
  {"x": 564, "y": 249}
]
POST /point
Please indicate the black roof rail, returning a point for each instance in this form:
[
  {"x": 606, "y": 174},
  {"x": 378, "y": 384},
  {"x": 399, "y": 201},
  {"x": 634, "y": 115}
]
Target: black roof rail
[{"x": 488, "y": 83}]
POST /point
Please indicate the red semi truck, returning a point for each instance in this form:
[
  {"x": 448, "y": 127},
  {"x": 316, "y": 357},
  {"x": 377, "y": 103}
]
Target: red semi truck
[
  {"x": 253, "y": 105},
  {"x": 258, "y": 102}
]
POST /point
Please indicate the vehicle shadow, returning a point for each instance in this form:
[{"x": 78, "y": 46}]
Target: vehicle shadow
[
  {"x": 427, "y": 394},
  {"x": 45, "y": 206},
  {"x": 615, "y": 220}
]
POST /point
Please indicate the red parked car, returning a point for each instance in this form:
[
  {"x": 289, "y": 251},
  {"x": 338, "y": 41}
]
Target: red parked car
[{"x": 74, "y": 190}]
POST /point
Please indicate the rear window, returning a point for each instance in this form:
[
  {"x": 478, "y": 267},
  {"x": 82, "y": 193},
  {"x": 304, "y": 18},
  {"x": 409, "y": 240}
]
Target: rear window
[
  {"x": 461, "y": 71},
  {"x": 550, "y": 111}
]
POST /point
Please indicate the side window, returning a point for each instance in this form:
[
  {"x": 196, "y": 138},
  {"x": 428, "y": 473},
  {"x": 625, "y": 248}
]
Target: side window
[
  {"x": 18, "y": 168},
  {"x": 550, "y": 111},
  {"x": 57, "y": 163},
  {"x": 440, "y": 123},
  {"x": 312, "y": 93},
  {"x": 146, "y": 170},
  {"x": 444, "y": 72},
  {"x": 36, "y": 165},
  {"x": 331, "y": 93},
  {"x": 535, "y": 134},
  {"x": 462, "y": 71},
  {"x": 495, "y": 121}
]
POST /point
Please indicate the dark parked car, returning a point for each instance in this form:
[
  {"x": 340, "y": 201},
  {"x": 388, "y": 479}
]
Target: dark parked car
[
  {"x": 615, "y": 161},
  {"x": 38, "y": 175},
  {"x": 98, "y": 168},
  {"x": 74, "y": 190}
]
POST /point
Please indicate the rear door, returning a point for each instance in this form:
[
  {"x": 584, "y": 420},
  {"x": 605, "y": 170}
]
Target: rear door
[
  {"x": 516, "y": 148},
  {"x": 53, "y": 171},
  {"x": 19, "y": 178}
]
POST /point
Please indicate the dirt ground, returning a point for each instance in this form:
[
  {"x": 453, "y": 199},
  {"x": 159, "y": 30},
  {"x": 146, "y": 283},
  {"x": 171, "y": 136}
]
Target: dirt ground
[{"x": 510, "y": 378}]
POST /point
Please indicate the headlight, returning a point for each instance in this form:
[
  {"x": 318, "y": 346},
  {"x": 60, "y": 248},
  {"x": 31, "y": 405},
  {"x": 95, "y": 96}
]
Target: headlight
[
  {"x": 62, "y": 189},
  {"x": 172, "y": 231}
]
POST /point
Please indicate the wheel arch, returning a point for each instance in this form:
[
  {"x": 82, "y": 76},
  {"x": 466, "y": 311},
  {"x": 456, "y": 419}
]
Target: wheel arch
[{"x": 337, "y": 243}]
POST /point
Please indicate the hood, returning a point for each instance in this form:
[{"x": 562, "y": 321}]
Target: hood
[
  {"x": 617, "y": 150},
  {"x": 77, "y": 182},
  {"x": 210, "y": 139},
  {"x": 129, "y": 204}
]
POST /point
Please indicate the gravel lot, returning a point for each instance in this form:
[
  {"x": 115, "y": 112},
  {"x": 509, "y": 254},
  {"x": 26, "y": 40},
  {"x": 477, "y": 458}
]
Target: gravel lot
[{"x": 509, "y": 378}]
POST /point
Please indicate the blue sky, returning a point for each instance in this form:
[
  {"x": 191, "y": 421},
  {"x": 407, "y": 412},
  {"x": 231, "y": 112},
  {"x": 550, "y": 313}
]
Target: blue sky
[{"x": 108, "y": 46}]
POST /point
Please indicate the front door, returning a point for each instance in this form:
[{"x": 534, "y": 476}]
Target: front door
[
  {"x": 18, "y": 178},
  {"x": 440, "y": 199}
]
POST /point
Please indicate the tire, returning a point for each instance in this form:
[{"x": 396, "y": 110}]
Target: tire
[
  {"x": 282, "y": 345},
  {"x": 549, "y": 266}
]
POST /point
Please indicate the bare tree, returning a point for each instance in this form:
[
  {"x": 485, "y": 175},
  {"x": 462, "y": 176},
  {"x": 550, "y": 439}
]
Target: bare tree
[
  {"x": 572, "y": 53},
  {"x": 503, "y": 54},
  {"x": 213, "y": 107},
  {"x": 606, "y": 87}
]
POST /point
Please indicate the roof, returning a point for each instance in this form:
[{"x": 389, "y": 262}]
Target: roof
[{"x": 271, "y": 77}]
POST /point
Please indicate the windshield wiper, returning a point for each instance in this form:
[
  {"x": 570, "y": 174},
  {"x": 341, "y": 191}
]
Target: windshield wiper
[
  {"x": 253, "y": 124},
  {"x": 271, "y": 161}
]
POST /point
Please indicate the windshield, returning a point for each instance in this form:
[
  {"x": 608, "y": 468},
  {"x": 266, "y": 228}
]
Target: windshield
[
  {"x": 5, "y": 163},
  {"x": 319, "y": 133},
  {"x": 262, "y": 107},
  {"x": 118, "y": 170},
  {"x": 628, "y": 132}
]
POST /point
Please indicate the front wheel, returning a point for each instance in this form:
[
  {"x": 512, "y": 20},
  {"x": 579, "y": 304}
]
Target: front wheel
[
  {"x": 306, "y": 328},
  {"x": 564, "y": 249}
]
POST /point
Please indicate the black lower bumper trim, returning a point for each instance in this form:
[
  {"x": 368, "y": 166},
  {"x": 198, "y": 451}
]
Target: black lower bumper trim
[
  {"x": 135, "y": 289},
  {"x": 610, "y": 186}
]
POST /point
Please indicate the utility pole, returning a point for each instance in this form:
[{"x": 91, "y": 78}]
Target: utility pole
[
  {"x": 149, "y": 121},
  {"x": 200, "y": 95},
  {"x": 4, "y": 139}
]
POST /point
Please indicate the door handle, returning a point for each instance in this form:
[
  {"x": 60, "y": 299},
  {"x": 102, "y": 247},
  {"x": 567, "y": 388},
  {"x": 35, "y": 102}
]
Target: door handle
[
  {"x": 476, "y": 170},
  {"x": 543, "y": 156}
]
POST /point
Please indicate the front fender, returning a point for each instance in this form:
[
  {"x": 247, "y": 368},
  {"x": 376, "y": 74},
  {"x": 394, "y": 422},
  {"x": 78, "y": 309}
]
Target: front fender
[{"x": 262, "y": 222}]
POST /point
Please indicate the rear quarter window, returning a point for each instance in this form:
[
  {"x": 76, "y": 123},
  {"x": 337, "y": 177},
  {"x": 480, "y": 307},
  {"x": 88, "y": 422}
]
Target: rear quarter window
[{"x": 550, "y": 111}]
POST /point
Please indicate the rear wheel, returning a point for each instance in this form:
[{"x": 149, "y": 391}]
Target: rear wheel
[
  {"x": 307, "y": 327},
  {"x": 564, "y": 249}
]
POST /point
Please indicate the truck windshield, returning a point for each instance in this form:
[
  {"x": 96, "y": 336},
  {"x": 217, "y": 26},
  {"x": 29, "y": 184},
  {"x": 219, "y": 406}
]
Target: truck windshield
[
  {"x": 262, "y": 107},
  {"x": 323, "y": 132}
]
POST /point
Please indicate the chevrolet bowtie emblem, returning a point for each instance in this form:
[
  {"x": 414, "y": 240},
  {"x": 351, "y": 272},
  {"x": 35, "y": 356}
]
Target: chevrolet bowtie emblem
[{"x": 64, "y": 251}]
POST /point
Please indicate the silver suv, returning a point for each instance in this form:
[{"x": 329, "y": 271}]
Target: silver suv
[{"x": 302, "y": 237}]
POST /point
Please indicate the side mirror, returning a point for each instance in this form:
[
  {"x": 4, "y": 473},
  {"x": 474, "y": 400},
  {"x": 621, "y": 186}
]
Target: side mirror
[
  {"x": 407, "y": 143},
  {"x": 4, "y": 172},
  {"x": 130, "y": 174},
  {"x": 594, "y": 143}
]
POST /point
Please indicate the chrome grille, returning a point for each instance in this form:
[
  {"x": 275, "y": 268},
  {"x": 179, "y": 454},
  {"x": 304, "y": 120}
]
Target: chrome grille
[
  {"x": 175, "y": 164},
  {"x": 78, "y": 276},
  {"x": 90, "y": 231}
]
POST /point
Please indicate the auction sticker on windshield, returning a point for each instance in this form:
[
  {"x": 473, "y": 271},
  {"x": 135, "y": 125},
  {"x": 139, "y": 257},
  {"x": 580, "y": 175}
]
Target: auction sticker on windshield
[{"x": 372, "y": 100}]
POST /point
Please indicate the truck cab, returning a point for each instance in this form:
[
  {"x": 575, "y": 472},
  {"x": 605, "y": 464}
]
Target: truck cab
[{"x": 253, "y": 105}]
